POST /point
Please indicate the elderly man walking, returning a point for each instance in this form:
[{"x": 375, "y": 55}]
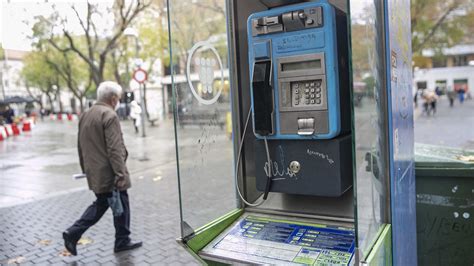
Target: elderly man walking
[{"x": 102, "y": 155}]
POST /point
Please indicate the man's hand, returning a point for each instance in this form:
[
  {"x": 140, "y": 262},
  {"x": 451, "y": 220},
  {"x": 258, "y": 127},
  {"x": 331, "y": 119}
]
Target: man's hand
[{"x": 120, "y": 183}]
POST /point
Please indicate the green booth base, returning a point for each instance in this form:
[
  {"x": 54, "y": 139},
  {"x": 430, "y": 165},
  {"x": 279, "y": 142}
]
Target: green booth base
[
  {"x": 381, "y": 252},
  {"x": 444, "y": 205},
  {"x": 253, "y": 238}
]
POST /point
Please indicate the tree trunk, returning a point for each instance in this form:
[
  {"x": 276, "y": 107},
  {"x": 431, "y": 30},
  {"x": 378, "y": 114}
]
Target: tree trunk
[
  {"x": 81, "y": 103},
  {"x": 58, "y": 97},
  {"x": 35, "y": 99},
  {"x": 40, "y": 104},
  {"x": 51, "y": 102}
]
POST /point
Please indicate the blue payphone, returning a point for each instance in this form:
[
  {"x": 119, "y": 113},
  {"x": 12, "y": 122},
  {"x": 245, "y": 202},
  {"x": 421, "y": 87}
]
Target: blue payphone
[
  {"x": 293, "y": 58},
  {"x": 300, "y": 99}
]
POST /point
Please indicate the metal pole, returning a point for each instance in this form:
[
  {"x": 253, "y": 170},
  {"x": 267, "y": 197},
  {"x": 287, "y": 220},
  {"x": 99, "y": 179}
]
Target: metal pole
[
  {"x": 5, "y": 74},
  {"x": 142, "y": 100},
  {"x": 1, "y": 84},
  {"x": 142, "y": 104}
]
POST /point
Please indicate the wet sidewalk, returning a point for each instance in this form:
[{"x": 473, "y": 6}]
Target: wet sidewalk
[
  {"x": 31, "y": 233},
  {"x": 450, "y": 126},
  {"x": 41, "y": 199},
  {"x": 41, "y": 163}
]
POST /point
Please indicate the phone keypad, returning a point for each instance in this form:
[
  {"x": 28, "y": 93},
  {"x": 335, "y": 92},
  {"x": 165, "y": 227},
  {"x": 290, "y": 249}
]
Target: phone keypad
[{"x": 306, "y": 93}]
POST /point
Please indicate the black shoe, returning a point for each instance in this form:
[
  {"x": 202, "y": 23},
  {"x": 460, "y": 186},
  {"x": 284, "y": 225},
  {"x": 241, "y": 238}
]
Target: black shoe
[
  {"x": 69, "y": 243},
  {"x": 129, "y": 246}
]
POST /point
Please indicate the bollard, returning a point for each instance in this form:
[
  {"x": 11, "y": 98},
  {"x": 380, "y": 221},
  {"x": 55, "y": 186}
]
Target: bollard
[
  {"x": 3, "y": 132},
  {"x": 60, "y": 116},
  {"x": 15, "y": 129},
  {"x": 69, "y": 117},
  {"x": 8, "y": 130},
  {"x": 26, "y": 126}
]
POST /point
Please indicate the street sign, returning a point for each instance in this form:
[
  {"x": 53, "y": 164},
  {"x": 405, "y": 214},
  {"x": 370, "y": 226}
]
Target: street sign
[
  {"x": 140, "y": 76},
  {"x": 138, "y": 62}
]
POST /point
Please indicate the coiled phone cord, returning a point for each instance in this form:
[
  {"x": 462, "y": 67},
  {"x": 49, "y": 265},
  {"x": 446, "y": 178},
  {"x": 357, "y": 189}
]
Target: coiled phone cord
[{"x": 264, "y": 196}]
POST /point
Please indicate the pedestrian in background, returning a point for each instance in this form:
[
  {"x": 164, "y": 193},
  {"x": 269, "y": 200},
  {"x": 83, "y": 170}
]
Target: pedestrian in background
[
  {"x": 451, "y": 96},
  {"x": 9, "y": 115},
  {"x": 425, "y": 102},
  {"x": 429, "y": 102},
  {"x": 433, "y": 101},
  {"x": 415, "y": 98},
  {"x": 461, "y": 92},
  {"x": 135, "y": 114},
  {"x": 102, "y": 156}
]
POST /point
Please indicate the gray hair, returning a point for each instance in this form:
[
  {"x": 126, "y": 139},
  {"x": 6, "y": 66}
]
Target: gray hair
[{"x": 107, "y": 89}]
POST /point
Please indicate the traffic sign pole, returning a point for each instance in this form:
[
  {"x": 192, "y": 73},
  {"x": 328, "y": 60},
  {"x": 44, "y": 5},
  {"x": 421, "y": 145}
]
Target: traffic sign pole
[{"x": 141, "y": 76}]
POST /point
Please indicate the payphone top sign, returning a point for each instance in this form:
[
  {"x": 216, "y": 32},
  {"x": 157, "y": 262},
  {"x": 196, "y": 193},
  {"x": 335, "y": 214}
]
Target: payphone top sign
[{"x": 205, "y": 60}]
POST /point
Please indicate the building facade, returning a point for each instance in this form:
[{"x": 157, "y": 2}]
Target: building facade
[
  {"x": 454, "y": 70},
  {"x": 11, "y": 65}
]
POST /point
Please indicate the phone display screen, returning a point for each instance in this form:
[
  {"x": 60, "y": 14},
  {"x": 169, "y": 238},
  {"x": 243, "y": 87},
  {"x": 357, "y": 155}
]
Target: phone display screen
[{"x": 292, "y": 66}]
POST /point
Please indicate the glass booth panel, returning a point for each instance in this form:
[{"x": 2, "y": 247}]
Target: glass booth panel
[
  {"x": 371, "y": 141},
  {"x": 201, "y": 103}
]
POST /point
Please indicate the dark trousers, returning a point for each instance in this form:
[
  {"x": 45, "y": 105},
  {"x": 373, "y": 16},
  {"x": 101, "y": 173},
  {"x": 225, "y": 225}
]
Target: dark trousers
[
  {"x": 135, "y": 125},
  {"x": 95, "y": 211}
]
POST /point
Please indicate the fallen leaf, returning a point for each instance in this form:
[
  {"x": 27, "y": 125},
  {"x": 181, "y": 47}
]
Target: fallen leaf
[
  {"x": 16, "y": 260},
  {"x": 157, "y": 178},
  {"x": 84, "y": 241},
  {"x": 44, "y": 242},
  {"x": 64, "y": 253}
]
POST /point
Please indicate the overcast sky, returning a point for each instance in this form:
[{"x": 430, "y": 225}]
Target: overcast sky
[
  {"x": 14, "y": 13},
  {"x": 14, "y": 32}
]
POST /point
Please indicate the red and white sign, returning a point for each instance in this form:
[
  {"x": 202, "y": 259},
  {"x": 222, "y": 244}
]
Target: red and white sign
[{"x": 140, "y": 76}]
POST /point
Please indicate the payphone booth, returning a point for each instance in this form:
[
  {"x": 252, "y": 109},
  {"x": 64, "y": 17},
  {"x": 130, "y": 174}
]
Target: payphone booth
[{"x": 305, "y": 176}]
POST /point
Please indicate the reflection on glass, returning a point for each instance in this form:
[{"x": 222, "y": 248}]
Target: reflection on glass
[
  {"x": 443, "y": 68},
  {"x": 202, "y": 102},
  {"x": 368, "y": 120}
]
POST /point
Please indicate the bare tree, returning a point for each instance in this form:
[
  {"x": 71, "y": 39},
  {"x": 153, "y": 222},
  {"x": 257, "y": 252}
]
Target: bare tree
[
  {"x": 95, "y": 48},
  {"x": 72, "y": 77}
]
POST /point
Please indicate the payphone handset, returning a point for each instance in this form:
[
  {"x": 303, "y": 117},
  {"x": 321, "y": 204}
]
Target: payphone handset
[{"x": 294, "y": 72}]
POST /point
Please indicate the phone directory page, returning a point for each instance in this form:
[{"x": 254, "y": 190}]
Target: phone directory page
[{"x": 265, "y": 240}]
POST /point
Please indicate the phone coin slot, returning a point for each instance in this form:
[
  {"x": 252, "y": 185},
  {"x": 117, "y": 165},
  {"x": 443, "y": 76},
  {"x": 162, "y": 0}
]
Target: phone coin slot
[{"x": 306, "y": 126}]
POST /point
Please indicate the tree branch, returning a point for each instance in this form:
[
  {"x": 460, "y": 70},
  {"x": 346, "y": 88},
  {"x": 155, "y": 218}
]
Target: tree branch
[
  {"x": 57, "y": 47},
  {"x": 126, "y": 21},
  {"x": 215, "y": 7},
  {"x": 434, "y": 29},
  {"x": 81, "y": 22},
  {"x": 86, "y": 27}
]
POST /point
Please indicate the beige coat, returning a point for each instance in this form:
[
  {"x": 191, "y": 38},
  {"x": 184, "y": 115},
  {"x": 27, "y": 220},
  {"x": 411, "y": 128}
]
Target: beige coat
[{"x": 102, "y": 152}]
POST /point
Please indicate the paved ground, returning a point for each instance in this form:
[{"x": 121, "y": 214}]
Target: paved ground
[
  {"x": 39, "y": 199},
  {"x": 32, "y": 231},
  {"x": 42, "y": 162},
  {"x": 36, "y": 168},
  {"x": 450, "y": 126}
]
